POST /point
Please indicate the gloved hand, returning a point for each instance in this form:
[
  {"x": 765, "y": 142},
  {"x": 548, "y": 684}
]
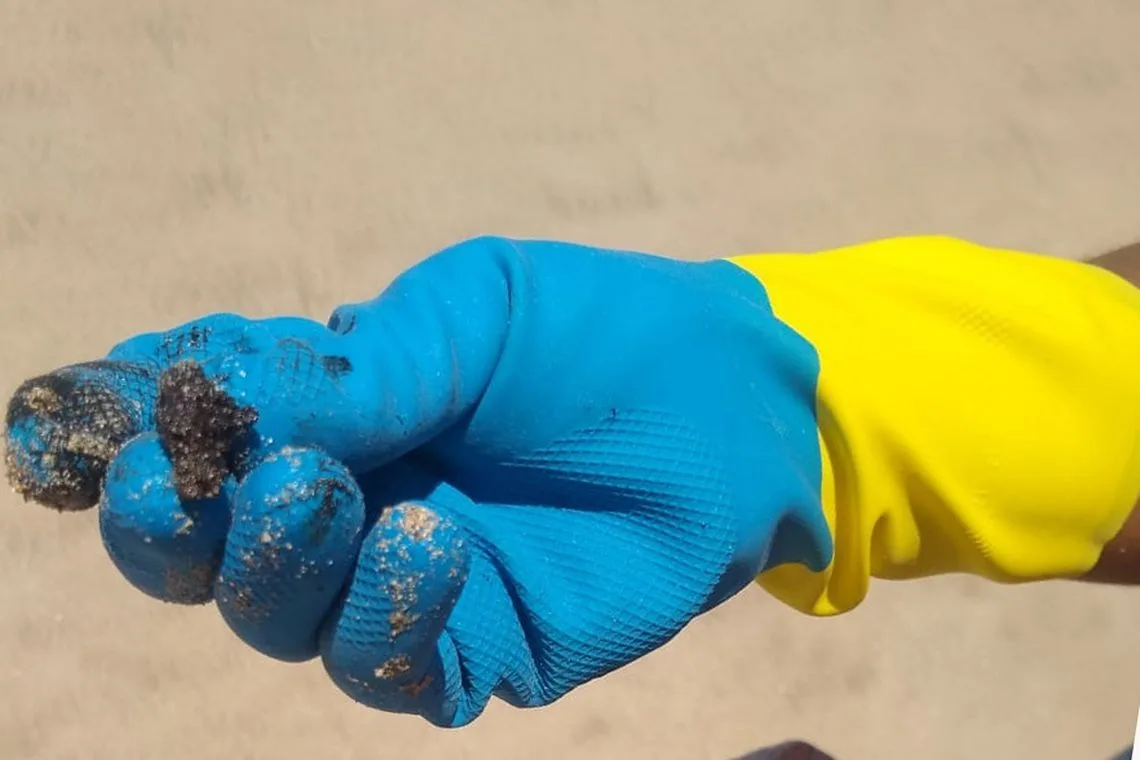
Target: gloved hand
[{"x": 523, "y": 465}]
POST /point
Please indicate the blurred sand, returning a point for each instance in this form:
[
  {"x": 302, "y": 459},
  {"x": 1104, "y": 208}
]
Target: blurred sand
[{"x": 162, "y": 159}]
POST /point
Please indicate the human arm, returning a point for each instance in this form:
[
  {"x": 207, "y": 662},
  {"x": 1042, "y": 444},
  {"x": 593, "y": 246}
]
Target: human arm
[{"x": 1120, "y": 560}]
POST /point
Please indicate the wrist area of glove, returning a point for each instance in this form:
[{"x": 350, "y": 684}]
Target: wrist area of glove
[{"x": 978, "y": 405}]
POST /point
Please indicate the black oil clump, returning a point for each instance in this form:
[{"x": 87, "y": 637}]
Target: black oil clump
[{"x": 200, "y": 427}]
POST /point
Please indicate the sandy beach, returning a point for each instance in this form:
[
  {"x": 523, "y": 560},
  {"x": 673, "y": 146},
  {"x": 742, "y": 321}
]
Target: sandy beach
[{"x": 160, "y": 159}]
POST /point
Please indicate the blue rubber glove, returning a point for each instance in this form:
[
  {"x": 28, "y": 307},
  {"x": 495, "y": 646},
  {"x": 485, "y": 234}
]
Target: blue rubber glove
[{"x": 523, "y": 465}]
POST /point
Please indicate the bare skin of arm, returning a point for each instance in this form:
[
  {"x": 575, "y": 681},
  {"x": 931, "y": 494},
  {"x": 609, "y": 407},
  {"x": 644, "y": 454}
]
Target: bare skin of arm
[{"x": 1120, "y": 560}]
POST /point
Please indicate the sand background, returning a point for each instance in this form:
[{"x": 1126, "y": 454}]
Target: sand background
[{"x": 163, "y": 158}]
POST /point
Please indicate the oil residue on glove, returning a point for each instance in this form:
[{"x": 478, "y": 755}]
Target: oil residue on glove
[
  {"x": 199, "y": 425},
  {"x": 63, "y": 429}
]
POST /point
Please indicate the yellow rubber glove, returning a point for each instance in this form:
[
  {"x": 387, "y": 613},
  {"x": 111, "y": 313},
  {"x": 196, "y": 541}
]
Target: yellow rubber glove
[{"x": 978, "y": 411}]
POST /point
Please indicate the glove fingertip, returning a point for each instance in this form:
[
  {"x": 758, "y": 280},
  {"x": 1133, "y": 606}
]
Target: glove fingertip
[
  {"x": 166, "y": 548},
  {"x": 298, "y": 521},
  {"x": 382, "y": 648}
]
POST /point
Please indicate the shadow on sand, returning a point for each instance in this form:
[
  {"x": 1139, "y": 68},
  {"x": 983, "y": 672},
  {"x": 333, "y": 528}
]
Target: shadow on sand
[{"x": 793, "y": 750}]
